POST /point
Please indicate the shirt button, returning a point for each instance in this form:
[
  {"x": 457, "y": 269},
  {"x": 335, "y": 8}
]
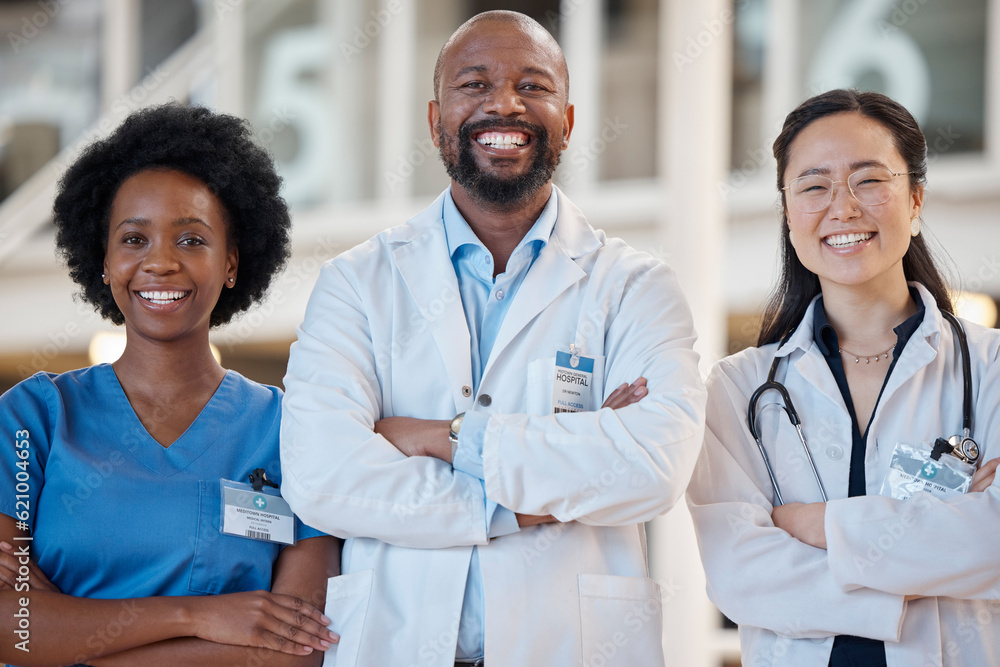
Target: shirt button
[
  {"x": 466, "y": 391},
  {"x": 834, "y": 452},
  {"x": 500, "y": 294},
  {"x": 485, "y": 400}
]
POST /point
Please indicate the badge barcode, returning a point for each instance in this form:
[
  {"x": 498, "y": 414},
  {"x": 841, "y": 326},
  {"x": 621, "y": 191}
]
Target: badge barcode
[
  {"x": 558, "y": 410},
  {"x": 258, "y": 536}
]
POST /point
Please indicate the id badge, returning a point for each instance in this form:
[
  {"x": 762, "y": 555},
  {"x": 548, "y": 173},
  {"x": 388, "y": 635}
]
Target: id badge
[
  {"x": 258, "y": 515},
  {"x": 572, "y": 389},
  {"x": 911, "y": 469}
]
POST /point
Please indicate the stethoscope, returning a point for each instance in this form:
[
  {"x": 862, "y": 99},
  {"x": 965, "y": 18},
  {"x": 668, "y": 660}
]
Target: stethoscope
[{"x": 963, "y": 447}]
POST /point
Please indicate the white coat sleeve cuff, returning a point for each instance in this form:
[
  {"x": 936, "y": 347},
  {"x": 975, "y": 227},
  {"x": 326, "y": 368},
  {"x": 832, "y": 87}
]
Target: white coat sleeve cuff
[
  {"x": 844, "y": 565},
  {"x": 469, "y": 453}
]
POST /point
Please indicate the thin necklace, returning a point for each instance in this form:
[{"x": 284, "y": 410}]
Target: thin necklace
[{"x": 868, "y": 359}]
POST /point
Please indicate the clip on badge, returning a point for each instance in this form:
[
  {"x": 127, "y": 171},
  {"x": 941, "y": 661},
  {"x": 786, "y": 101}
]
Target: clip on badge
[
  {"x": 918, "y": 467},
  {"x": 252, "y": 511},
  {"x": 258, "y": 480},
  {"x": 574, "y": 380}
]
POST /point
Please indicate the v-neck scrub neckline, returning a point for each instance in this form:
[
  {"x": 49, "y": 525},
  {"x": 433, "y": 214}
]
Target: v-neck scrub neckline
[{"x": 211, "y": 424}]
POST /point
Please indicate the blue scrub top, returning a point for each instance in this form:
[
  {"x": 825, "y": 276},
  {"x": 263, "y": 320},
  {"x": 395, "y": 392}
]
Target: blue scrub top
[{"x": 116, "y": 515}]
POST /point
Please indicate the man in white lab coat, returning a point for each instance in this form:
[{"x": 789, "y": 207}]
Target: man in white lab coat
[{"x": 490, "y": 400}]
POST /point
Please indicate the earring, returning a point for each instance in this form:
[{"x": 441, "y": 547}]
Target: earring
[
  {"x": 915, "y": 226},
  {"x": 232, "y": 280},
  {"x": 791, "y": 239}
]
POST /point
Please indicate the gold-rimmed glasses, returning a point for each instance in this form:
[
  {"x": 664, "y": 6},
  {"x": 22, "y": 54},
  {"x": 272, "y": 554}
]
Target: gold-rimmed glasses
[{"x": 813, "y": 193}]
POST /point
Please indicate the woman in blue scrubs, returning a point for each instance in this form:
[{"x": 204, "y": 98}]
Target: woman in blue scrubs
[{"x": 112, "y": 546}]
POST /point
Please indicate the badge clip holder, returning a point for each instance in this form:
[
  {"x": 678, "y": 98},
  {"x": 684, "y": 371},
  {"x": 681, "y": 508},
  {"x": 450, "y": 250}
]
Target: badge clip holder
[
  {"x": 572, "y": 388},
  {"x": 915, "y": 468},
  {"x": 256, "y": 511}
]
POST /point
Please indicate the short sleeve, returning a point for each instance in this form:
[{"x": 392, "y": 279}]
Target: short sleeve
[
  {"x": 25, "y": 438},
  {"x": 302, "y": 531}
]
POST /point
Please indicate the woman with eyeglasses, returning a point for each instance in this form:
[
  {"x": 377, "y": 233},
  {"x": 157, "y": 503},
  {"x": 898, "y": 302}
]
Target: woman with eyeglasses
[{"x": 866, "y": 536}]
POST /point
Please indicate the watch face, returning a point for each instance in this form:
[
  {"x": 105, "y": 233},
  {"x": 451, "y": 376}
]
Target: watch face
[{"x": 456, "y": 424}]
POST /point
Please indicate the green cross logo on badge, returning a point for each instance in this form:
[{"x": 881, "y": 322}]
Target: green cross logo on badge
[
  {"x": 259, "y": 502},
  {"x": 929, "y": 471}
]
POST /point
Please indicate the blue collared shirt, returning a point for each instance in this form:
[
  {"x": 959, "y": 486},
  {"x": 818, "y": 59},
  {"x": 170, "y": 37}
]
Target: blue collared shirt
[{"x": 486, "y": 301}]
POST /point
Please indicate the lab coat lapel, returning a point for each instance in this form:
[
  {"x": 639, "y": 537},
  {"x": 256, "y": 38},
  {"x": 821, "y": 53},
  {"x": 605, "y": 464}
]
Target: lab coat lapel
[
  {"x": 919, "y": 351},
  {"x": 553, "y": 272},
  {"x": 811, "y": 366},
  {"x": 426, "y": 269},
  {"x": 814, "y": 369}
]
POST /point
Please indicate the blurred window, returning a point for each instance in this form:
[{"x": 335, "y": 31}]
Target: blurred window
[{"x": 929, "y": 56}]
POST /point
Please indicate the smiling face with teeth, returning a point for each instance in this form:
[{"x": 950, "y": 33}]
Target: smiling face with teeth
[
  {"x": 501, "y": 117},
  {"x": 849, "y": 243},
  {"x": 168, "y": 256}
]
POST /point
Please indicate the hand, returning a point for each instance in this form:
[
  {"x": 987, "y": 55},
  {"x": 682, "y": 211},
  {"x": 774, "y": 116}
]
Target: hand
[
  {"x": 525, "y": 520},
  {"x": 804, "y": 522},
  {"x": 984, "y": 476},
  {"x": 10, "y": 563},
  {"x": 626, "y": 394},
  {"x": 260, "y": 619},
  {"x": 417, "y": 437}
]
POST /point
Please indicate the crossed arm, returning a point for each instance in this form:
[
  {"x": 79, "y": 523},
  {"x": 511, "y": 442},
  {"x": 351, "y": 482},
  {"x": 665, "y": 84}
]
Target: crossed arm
[
  {"x": 804, "y": 571},
  {"x": 429, "y": 437},
  {"x": 806, "y": 521},
  {"x": 283, "y": 627}
]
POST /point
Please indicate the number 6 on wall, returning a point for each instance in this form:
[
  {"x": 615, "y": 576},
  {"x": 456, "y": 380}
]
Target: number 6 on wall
[{"x": 860, "y": 41}]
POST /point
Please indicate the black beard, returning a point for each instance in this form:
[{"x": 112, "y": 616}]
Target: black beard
[{"x": 489, "y": 189}]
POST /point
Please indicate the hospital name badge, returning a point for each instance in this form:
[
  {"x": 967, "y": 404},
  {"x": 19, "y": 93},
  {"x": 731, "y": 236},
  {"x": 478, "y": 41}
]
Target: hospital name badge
[
  {"x": 911, "y": 469},
  {"x": 574, "y": 381},
  {"x": 258, "y": 515}
]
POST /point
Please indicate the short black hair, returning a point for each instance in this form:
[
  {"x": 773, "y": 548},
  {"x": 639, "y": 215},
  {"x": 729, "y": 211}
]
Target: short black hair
[{"x": 219, "y": 150}]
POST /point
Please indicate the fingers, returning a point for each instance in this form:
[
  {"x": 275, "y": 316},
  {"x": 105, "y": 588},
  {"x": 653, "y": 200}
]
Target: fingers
[
  {"x": 10, "y": 565},
  {"x": 983, "y": 477},
  {"x": 302, "y": 624},
  {"x": 525, "y": 520},
  {"x": 613, "y": 401},
  {"x": 264, "y": 620},
  {"x": 626, "y": 394}
]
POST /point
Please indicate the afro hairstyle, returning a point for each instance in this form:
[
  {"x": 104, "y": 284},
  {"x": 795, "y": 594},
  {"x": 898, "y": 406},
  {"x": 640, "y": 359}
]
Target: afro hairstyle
[{"x": 217, "y": 149}]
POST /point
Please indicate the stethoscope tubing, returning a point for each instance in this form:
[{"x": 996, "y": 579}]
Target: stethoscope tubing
[
  {"x": 793, "y": 417},
  {"x": 773, "y": 385}
]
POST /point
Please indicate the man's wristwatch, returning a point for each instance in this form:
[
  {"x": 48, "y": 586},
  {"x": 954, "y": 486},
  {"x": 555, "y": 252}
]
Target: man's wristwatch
[{"x": 456, "y": 426}]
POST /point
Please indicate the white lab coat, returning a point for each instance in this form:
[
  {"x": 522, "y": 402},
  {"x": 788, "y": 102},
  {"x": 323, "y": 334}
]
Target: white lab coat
[
  {"x": 791, "y": 599},
  {"x": 385, "y": 335}
]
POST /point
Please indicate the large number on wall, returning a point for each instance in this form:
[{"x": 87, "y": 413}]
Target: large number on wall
[{"x": 862, "y": 40}]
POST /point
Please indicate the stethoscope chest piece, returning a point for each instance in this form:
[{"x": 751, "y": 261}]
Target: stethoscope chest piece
[{"x": 964, "y": 448}]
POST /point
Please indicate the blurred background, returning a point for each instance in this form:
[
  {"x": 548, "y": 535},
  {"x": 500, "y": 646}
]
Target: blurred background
[{"x": 677, "y": 104}]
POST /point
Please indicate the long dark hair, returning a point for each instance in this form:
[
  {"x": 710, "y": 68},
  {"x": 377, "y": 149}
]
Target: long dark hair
[{"x": 797, "y": 285}]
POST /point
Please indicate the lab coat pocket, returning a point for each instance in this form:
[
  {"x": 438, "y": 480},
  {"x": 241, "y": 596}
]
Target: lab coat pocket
[
  {"x": 541, "y": 385},
  {"x": 621, "y": 620},
  {"x": 347, "y": 599},
  {"x": 541, "y": 373}
]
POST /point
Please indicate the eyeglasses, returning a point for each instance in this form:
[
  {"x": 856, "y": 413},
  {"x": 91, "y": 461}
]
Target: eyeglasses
[{"x": 870, "y": 186}]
